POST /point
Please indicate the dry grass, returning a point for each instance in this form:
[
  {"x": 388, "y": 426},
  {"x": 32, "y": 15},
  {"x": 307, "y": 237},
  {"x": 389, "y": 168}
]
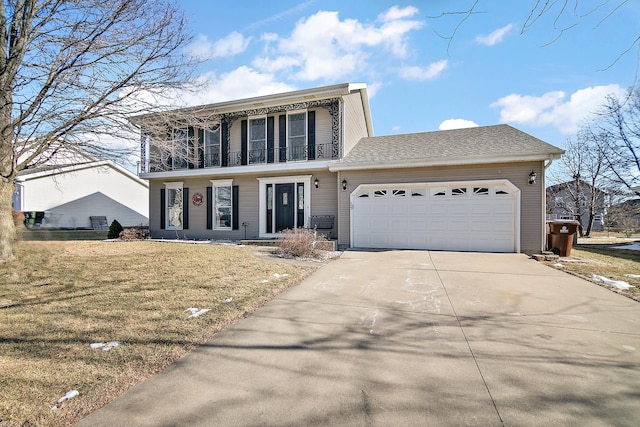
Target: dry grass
[
  {"x": 602, "y": 260},
  {"x": 59, "y": 297}
]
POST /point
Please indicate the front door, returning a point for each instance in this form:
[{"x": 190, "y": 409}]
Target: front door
[{"x": 285, "y": 207}]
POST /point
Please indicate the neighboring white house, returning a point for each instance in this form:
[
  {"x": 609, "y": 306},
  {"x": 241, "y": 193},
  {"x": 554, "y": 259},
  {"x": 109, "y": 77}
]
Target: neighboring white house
[{"x": 68, "y": 194}]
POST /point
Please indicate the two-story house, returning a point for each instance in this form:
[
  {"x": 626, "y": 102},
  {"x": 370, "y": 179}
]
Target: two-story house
[
  {"x": 579, "y": 201},
  {"x": 254, "y": 167}
]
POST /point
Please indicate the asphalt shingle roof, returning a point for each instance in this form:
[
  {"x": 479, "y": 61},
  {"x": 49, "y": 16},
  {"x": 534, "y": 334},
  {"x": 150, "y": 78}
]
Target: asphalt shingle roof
[{"x": 479, "y": 142}]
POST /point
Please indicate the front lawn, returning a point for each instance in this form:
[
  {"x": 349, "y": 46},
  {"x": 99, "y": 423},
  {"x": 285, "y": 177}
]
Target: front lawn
[
  {"x": 587, "y": 260},
  {"x": 59, "y": 298}
]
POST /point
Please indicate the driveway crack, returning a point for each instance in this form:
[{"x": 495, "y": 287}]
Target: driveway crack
[{"x": 495, "y": 406}]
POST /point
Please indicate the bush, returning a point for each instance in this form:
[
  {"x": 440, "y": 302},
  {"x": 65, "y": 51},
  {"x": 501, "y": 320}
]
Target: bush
[
  {"x": 114, "y": 230},
  {"x": 135, "y": 233},
  {"x": 300, "y": 243}
]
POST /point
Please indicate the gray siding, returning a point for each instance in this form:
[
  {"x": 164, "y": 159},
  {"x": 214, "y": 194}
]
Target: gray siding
[
  {"x": 323, "y": 202},
  {"x": 355, "y": 126},
  {"x": 531, "y": 201}
]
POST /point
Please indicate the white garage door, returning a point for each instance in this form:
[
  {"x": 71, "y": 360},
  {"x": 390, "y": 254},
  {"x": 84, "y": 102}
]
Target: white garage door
[{"x": 478, "y": 216}]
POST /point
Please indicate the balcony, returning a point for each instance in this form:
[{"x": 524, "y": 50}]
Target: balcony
[{"x": 167, "y": 163}]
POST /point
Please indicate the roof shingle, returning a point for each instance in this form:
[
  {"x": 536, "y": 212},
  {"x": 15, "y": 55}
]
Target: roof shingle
[{"x": 484, "y": 142}]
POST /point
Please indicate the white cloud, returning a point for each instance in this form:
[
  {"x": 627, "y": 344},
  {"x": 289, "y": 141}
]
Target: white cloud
[
  {"x": 243, "y": 82},
  {"x": 203, "y": 49},
  {"x": 324, "y": 47},
  {"x": 457, "y": 124},
  {"x": 495, "y": 37},
  {"x": 553, "y": 109},
  {"x": 424, "y": 73}
]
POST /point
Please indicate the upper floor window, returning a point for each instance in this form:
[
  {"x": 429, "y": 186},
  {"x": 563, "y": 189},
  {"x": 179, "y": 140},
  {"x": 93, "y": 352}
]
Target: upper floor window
[
  {"x": 297, "y": 135},
  {"x": 179, "y": 149},
  {"x": 257, "y": 140},
  {"x": 212, "y": 145}
]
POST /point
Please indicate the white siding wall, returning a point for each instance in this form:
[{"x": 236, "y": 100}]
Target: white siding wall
[{"x": 48, "y": 192}]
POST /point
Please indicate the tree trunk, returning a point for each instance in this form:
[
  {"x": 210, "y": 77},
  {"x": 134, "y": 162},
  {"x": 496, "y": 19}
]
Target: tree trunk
[{"x": 7, "y": 227}]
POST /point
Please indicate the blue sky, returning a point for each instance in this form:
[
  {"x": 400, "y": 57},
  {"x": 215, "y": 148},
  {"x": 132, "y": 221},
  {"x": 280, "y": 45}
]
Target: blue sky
[{"x": 495, "y": 69}]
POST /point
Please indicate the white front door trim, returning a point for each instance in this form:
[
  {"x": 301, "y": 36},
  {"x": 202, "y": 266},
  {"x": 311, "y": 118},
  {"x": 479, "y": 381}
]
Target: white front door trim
[{"x": 262, "y": 195}]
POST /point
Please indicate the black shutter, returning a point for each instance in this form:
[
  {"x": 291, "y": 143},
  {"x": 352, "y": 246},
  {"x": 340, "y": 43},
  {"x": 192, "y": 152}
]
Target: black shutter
[
  {"x": 185, "y": 208},
  {"x": 190, "y": 147},
  {"x": 209, "y": 208},
  {"x": 200, "y": 152},
  {"x": 282, "y": 137},
  {"x": 225, "y": 144},
  {"x": 235, "y": 221},
  {"x": 270, "y": 139},
  {"x": 311, "y": 135},
  {"x": 243, "y": 141},
  {"x": 163, "y": 203}
]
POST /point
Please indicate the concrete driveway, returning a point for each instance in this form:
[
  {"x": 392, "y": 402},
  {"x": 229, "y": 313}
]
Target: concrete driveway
[{"x": 410, "y": 338}]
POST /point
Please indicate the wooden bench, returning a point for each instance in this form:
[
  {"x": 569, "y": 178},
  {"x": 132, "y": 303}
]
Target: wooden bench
[{"x": 322, "y": 222}]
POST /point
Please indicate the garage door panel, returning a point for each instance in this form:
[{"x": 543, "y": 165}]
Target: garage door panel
[{"x": 482, "y": 220}]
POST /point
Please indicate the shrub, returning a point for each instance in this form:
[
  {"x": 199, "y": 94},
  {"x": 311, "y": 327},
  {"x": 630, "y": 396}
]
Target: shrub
[
  {"x": 300, "y": 243},
  {"x": 134, "y": 233},
  {"x": 114, "y": 230}
]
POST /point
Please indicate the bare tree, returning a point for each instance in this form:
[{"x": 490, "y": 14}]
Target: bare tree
[
  {"x": 561, "y": 15},
  {"x": 619, "y": 120},
  {"x": 582, "y": 176},
  {"x": 70, "y": 74}
]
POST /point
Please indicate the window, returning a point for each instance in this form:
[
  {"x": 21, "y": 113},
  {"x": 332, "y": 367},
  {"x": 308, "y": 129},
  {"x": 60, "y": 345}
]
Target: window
[
  {"x": 174, "y": 206},
  {"x": 460, "y": 191},
  {"x": 398, "y": 193},
  {"x": 212, "y": 146},
  {"x": 222, "y": 204},
  {"x": 481, "y": 191},
  {"x": 297, "y": 135},
  {"x": 380, "y": 193},
  {"x": 257, "y": 140},
  {"x": 179, "y": 149}
]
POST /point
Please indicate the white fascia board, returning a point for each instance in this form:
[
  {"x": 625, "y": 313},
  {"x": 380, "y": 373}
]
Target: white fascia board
[
  {"x": 337, "y": 166},
  {"x": 239, "y": 170}
]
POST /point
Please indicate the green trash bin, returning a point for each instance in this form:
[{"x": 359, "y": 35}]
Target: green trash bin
[{"x": 560, "y": 235}]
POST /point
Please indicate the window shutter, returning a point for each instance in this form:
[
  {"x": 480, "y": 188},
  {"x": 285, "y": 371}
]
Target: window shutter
[
  {"x": 243, "y": 141},
  {"x": 163, "y": 207},
  {"x": 225, "y": 144},
  {"x": 200, "y": 151},
  {"x": 270, "y": 139},
  {"x": 311, "y": 135},
  {"x": 191, "y": 147},
  {"x": 235, "y": 217},
  {"x": 282, "y": 137},
  {"x": 185, "y": 208},
  {"x": 209, "y": 208}
]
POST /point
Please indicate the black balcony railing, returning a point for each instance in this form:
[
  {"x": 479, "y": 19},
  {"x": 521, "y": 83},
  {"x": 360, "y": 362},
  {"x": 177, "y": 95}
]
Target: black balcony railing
[{"x": 250, "y": 157}]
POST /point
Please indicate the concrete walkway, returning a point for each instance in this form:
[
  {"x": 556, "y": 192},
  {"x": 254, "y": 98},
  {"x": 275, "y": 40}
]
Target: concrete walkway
[{"x": 410, "y": 338}]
